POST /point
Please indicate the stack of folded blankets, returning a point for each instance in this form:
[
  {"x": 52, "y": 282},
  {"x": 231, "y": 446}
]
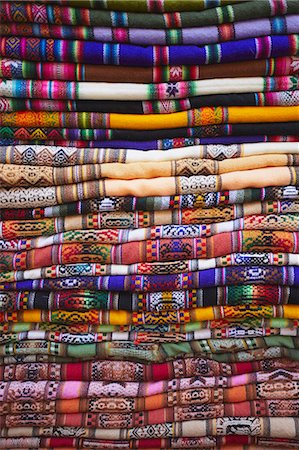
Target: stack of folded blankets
[{"x": 149, "y": 252}]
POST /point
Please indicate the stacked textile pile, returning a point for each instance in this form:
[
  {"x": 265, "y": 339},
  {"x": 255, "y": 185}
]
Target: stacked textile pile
[{"x": 149, "y": 257}]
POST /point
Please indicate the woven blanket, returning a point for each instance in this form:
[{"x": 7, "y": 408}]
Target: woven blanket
[
  {"x": 27, "y": 175},
  {"x": 286, "y": 275},
  {"x": 45, "y": 13},
  {"x": 130, "y": 91},
  {"x": 147, "y": 301},
  {"x": 151, "y": 250},
  {"x": 160, "y": 144},
  {"x": 46, "y": 196},
  {"x": 283, "y": 427},
  {"x": 192, "y": 118},
  {"x": 243, "y": 443},
  {"x": 49, "y": 155},
  {"x": 110, "y": 420},
  {"x": 110, "y": 134},
  {"x": 39, "y": 49},
  {"x": 250, "y": 348},
  {"x": 12, "y": 68},
  {"x": 25, "y": 229},
  {"x": 226, "y": 442},
  {"x": 132, "y": 371},
  {"x": 282, "y": 98},
  {"x": 145, "y": 6},
  {"x": 171, "y": 36}
]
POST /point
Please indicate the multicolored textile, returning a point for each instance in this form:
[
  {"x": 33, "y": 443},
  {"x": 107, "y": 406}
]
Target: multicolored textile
[
  {"x": 192, "y": 118},
  {"x": 282, "y": 427},
  {"x": 157, "y": 301},
  {"x": 283, "y": 98},
  {"x": 150, "y": 250},
  {"x": 227, "y": 442},
  {"x": 161, "y": 144},
  {"x": 87, "y": 52},
  {"x": 24, "y": 175},
  {"x": 288, "y": 276},
  {"x": 50, "y": 155},
  {"x": 222, "y": 350},
  {"x": 185, "y": 36},
  {"x": 149, "y": 225},
  {"x": 87, "y": 134},
  {"x": 46, "y": 196},
  {"x": 71, "y": 90},
  {"x": 145, "y": 6},
  {"x": 48, "y": 14},
  {"x": 12, "y": 68},
  {"x": 132, "y": 371}
]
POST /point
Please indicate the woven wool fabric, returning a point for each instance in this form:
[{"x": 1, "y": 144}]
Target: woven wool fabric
[
  {"x": 159, "y": 144},
  {"x": 44, "y": 13},
  {"x": 149, "y": 261},
  {"x": 287, "y": 276},
  {"x": 226, "y": 442},
  {"x": 111, "y": 420},
  {"x": 23, "y": 175},
  {"x": 152, "y": 268},
  {"x": 274, "y": 200},
  {"x": 39, "y": 49},
  {"x": 145, "y": 6},
  {"x": 157, "y": 301},
  {"x": 49, "y": 155},
  {"x": 170, "y": 185},
  {"x": 132, "y": 371},
  {"x": 197, "y": 36},
  {"x": 256, "y": 426},
  {"x": 192, "y": 118},
  {"x": 260, "y": 323},
  {"x": 150, "y": 250},
  {"x": 115, "y": 91},
  {"x": 251, "y": 348},
  {"x": 12, "y": 68},
  {"x": 281, "y": 98},
  {"x": 36, "y": 228},
  {"x": 88, "y": 134}
]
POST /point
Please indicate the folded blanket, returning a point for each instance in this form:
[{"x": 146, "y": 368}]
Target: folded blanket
[
  {"x": 111, "y": 134},
  {"x": 152, "y": 268},
  {"x": 283, "y": 98},
  {"x": 45, "y": 196},
  {"x": 246, "y": 324},
  {"x": 160, "y": 144},
  {"x": 149, "y": 336},
  {"x": 50, "y": 155},
  {"x": 282, "y": 427},
  {"x": 129, "y": 91},
  {"x": 151, "y": 250},
  {"x": 82, "y": 300},
  {"x": 144, "y": 6},
  {"x": 44, "y": 13},
  {"x": 91, "y": 52},
  {"x": 89, "y": 236},
  {"x": 226, "y": 442},
  {"x": 110, "y": 370},
  {"x": 250, "y": 348},
  {"x": 249, "y": 355},
  {"x": 13, "y": 68},
  {"x": 194, "y": 411},
  {"x": 206, "y": 115},
  {"x": 27, "y": 175},
  {"x": 288, "y": 276},
  {"x": 170, "y": 36}
]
